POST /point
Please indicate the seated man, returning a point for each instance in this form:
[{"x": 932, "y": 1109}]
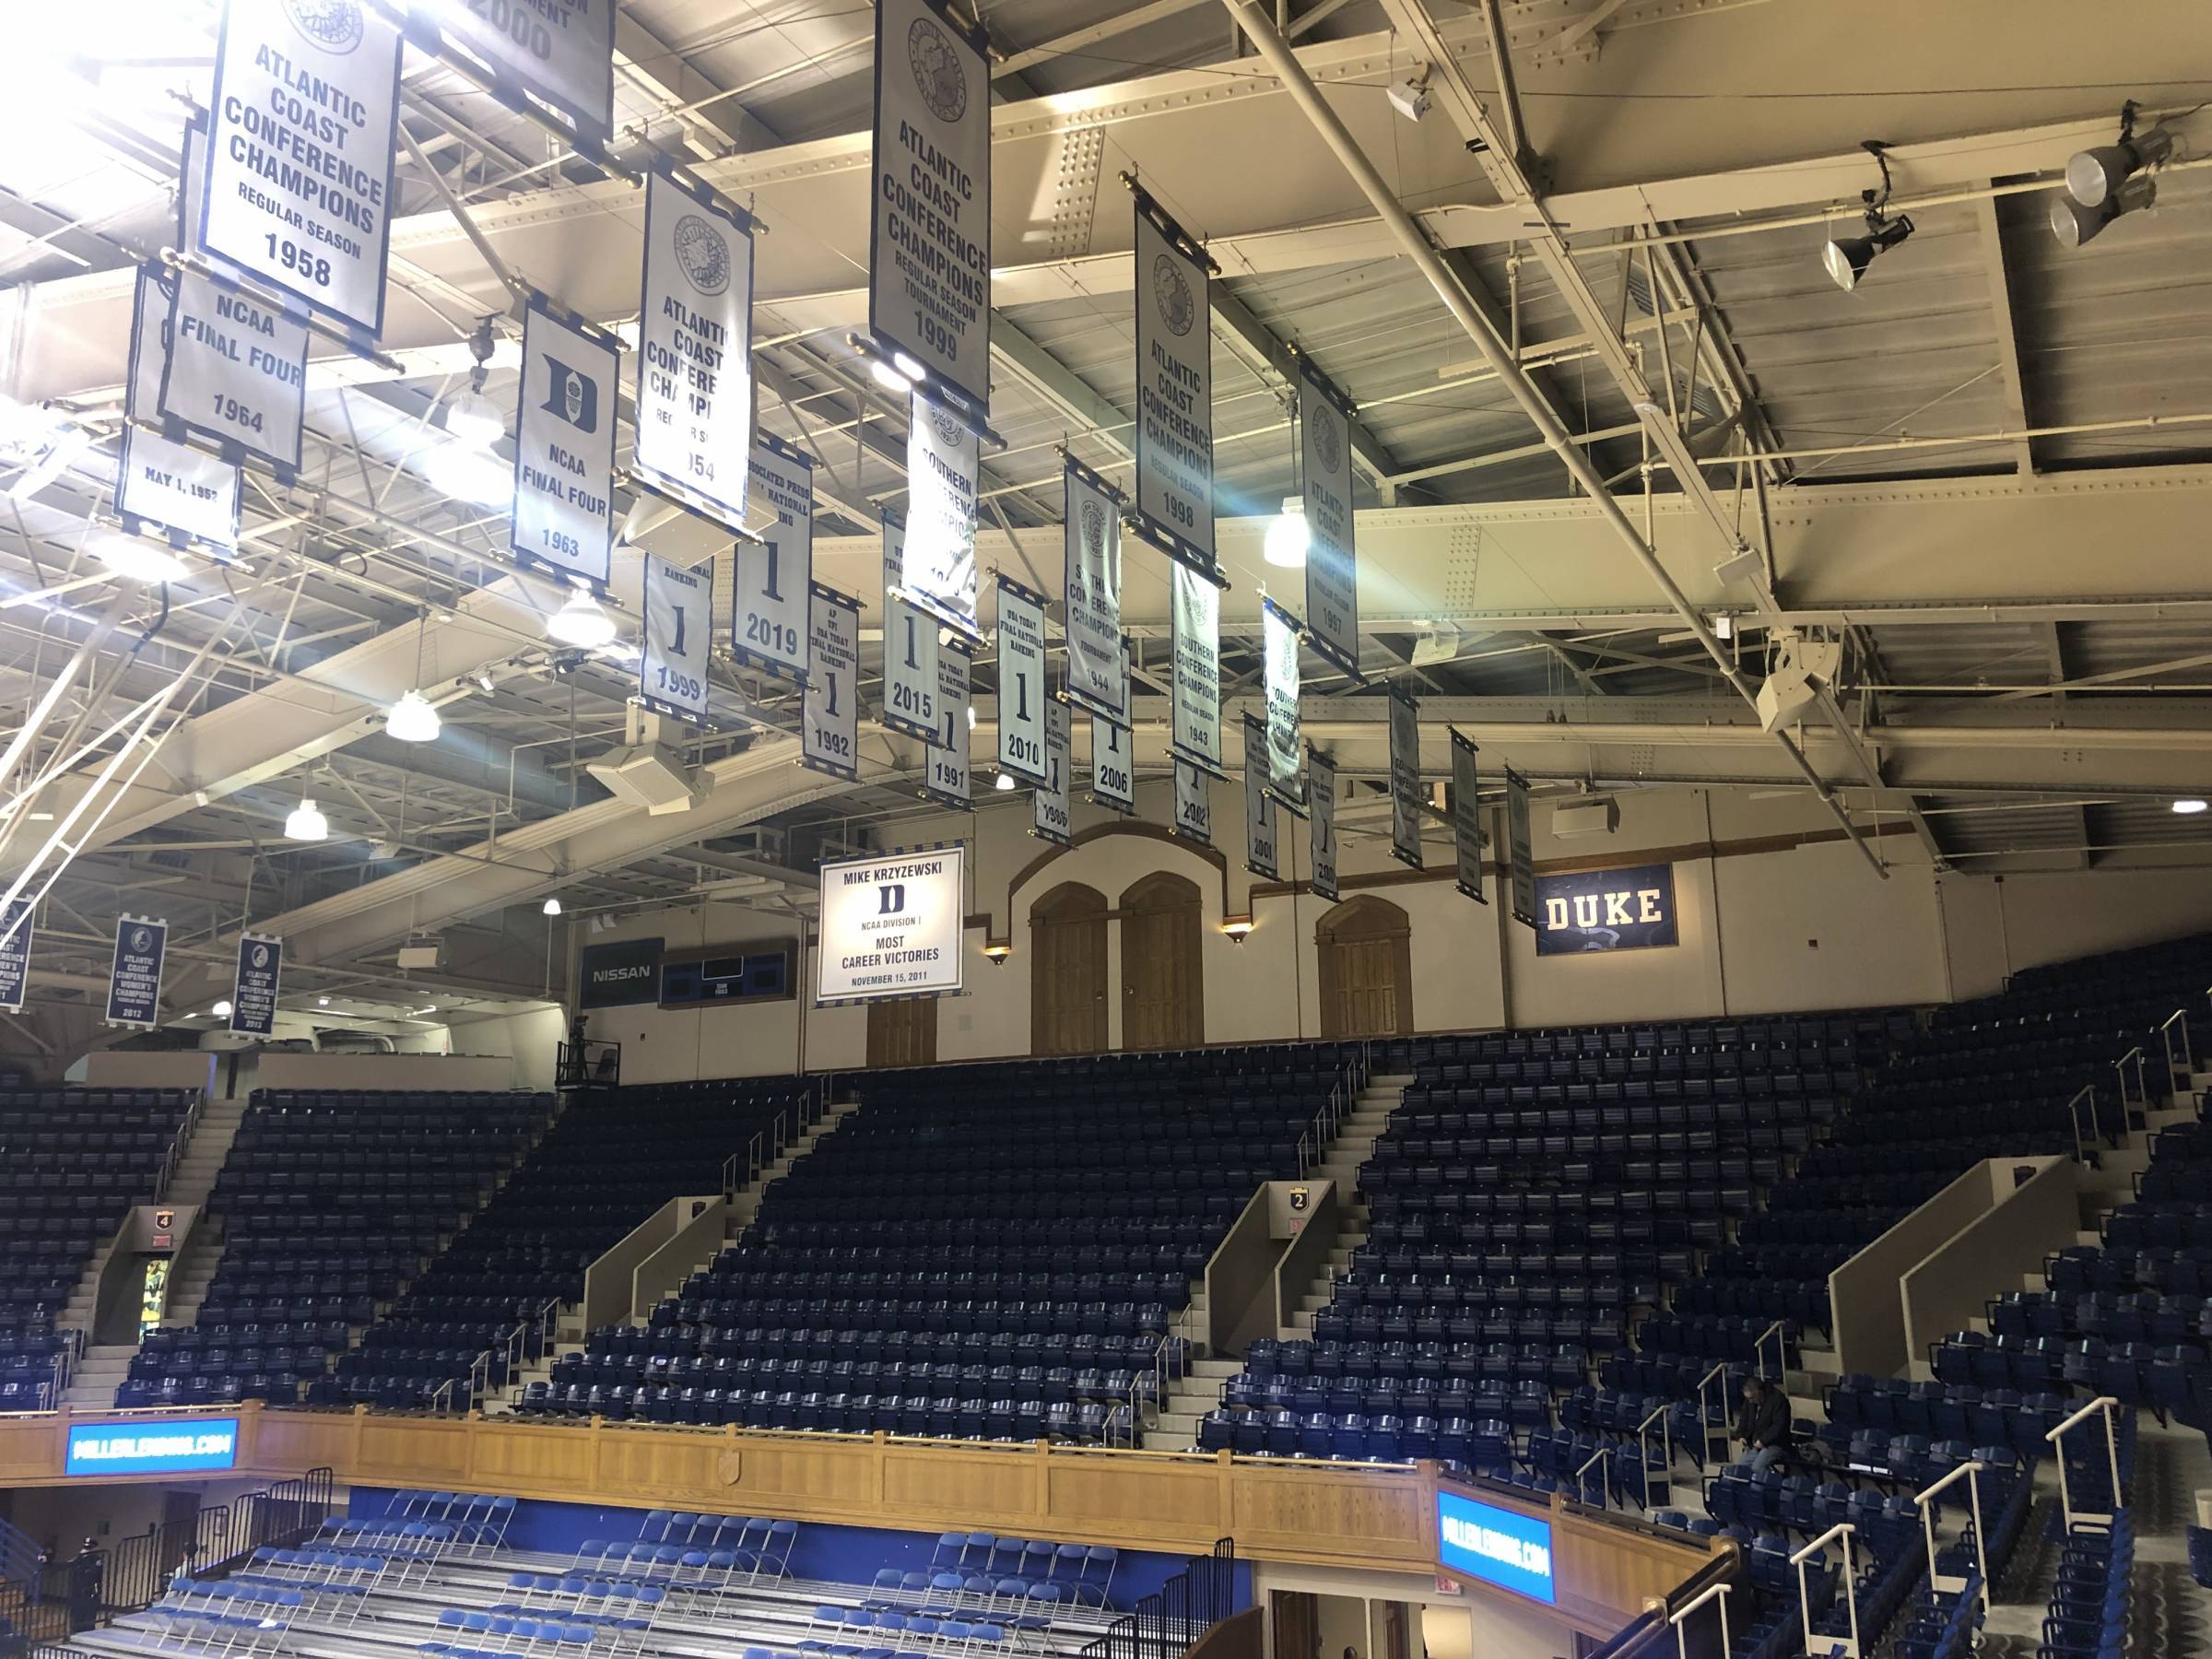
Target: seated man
[{"x": 1763, "y": 1425}]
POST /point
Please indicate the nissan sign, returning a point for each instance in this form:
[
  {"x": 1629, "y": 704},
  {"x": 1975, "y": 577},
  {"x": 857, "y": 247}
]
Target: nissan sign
[{"x": 628, "y": 972}]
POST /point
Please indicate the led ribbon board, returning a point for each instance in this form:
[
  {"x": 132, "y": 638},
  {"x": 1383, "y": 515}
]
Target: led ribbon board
[
  {"x": 1496, "y": 1546},
  {"x": 147, "y": 1447}
]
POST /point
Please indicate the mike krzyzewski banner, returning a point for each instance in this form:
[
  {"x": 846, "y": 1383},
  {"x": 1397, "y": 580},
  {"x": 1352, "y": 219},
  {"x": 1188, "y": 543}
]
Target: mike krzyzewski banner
[{"x": 891, "y": 926}]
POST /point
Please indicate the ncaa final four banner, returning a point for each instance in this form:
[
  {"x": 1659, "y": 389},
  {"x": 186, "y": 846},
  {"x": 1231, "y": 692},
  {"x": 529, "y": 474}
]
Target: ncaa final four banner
[
  {"x": 1193, "y": 805},
  {"x": 679, "y": 639},
  {"x": 299, "y": 171},
  {"x": 1098, "y": 668},
  {"x": 910, "y": 648},
  {"x": 1405, "y": 780},
  {"x": 1049, "y": 800},
  {"x": 947, "y": 775},
  {"x": 695, "y": 349},
  {"x": 1174, "y": 391},
  {"x": 890, "y": 925},
  {"x": 1466, "y": 819},
  {"x": 940, "y": 561},
  {"x": 1263, "y": 851},
  {"x": 1321, "y": 804},
  {"x": 929, "y": 242},
  {"x": 768, "y": 597},
  {"x": 1022, "y": 684},
  {"x": 1520, "y": 850},
  {"x": 163, "y": 487},
  {"x": 829, "y": 722},
  {"x": 1279, "y": 635},
  {"x": 253, "y": 989},
  {"x": 135, "y": 975},
  {"x": 559, "y": 54},
  {"x": 1325, "y": 449},
  {"x": 564, "y": 446},
  {"x": 1195, "y": 625}
]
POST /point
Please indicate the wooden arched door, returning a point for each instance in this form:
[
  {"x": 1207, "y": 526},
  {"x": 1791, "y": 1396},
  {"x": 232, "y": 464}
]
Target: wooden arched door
[
  {"x": 1067, "y": 973},
  {"x": 903, "y": 1032},
  {"x": 1364, "y": 951},
  {"x": 1163, "y": 983}
]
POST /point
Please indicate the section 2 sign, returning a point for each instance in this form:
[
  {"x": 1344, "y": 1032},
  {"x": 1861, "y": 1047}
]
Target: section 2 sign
[
  {"x": 1498, "y": 1545},
  {"x": 1606, "y": 910}
]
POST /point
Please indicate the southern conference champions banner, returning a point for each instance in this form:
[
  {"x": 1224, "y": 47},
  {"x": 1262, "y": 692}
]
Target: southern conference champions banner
[
  {"x": 1195, "y": 623},
  {"x": 1262, "y": 855},
  {"x": 768, "y": 600},
  {"x": 1321, "y": 804},
  {"x": 253, "y": 990},
  {"x": 939, "y": 561},
  {"x": 830, "y": 721},
  {"x": 1606, "y": 910},
  {"x": 558, "y": 53},
  {"x": 1021, "y": 689},
  {"x": 948, "y": 753},
  {"x": 910, "y": 648},
  {"x": 134, "y": 976},
  {"x": 299, "y": 171},
  {"x": 1174, "y": 391},
  {"x": 929, "y": 243},
  {"x": 1520, "y": 854},
  {"x": 1048, "y": 802},
  {"x": 162, "y": 486},
  {"x": 890, "y": 925},
  {"x": 1466, "y": 819},
  {"x": 1325, "y": 471},
  {"x": 1193, "y": 804},
  {"x": 1280, "y": 631},
  {"x": 695, "y": 350},
  {"x": 1098, "y": 670},
  {"x": 679, "y": 639},
  {"x": 15, "y": 924},
  {"x": 564, "y": 446},
  {"x": 1405, "y": 780}
]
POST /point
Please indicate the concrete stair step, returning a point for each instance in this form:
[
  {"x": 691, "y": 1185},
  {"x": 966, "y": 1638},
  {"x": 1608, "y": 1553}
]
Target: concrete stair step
[{"x": 1216, "y": 1367}]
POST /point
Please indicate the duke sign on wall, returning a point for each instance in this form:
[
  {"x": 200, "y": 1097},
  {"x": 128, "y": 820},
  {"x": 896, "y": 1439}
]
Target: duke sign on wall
[{"x": 1606, "y": 910}]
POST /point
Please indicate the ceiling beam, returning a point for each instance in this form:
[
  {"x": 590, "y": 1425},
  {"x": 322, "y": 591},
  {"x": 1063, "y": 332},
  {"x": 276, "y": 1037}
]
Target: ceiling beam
[
  {"x": 1233, "y": 317},
  {"x": 2005, "y": 321},
  {"x": 715, "y": 123}
]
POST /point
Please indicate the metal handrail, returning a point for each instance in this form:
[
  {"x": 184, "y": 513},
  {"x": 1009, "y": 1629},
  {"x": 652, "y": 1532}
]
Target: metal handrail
[
  {"x": 1845, "y": 1530},
  {"x": 1666, "y": 1442},
  {"x": 1970, "y": 1472},
  {"x": 2188, "y": 1060},
  {"x": 1603, "y": 1455},
  {"x": 2142, "y": 1096},
  {"x": 1781, "y": 1352},
  {"x": 2104, "y": 1404},
  {"x": 1705, "y": 1414},
  {"x": 2082, "y": 1144},
  {"x": 177, "y": 1142},
  {"x": 1682, "y": 1613}
]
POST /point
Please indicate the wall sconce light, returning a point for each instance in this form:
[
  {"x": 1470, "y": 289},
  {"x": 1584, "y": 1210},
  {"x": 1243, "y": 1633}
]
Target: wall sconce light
[
  {"x": 998, "y": 950},
  {"x": 1236, "y": 927}
]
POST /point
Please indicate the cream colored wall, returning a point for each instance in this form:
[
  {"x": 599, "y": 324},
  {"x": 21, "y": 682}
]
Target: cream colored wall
[{"x": 529, "y": 1040}]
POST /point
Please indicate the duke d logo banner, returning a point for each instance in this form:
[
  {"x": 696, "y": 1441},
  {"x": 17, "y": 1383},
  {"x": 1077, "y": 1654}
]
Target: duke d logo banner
[
  {"x": 1405, "y": 780},
  {"x": 564, "y": 446}
]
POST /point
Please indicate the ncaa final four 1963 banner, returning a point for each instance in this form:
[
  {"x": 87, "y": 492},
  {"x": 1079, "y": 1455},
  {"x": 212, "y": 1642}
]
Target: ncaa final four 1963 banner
[
  {"x": 564, "y": 447},
  {"x": 890, "y": 925},
  {"x": 695, "y": 352}
]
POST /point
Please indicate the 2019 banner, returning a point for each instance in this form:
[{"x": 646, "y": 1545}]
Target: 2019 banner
[
  {"x": 678, "y": 640},
  {"x": 695, "y": 351},
  {"x": 564, "y": 446},
  {"x": 830, "y": 732},
  {"x": 768, "y": 603}
]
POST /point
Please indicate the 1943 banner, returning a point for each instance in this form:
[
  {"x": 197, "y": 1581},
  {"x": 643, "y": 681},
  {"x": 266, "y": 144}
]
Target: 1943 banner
[
  {"x": 830, "y": 732},
  {"x": 947, "y": 776},
  {"x": 1520, "y": 852},
  {"x": 1405, "y": 780},
  {"x": 1324, "y": 427},
  {"x": 1262, "y": 855},
  {"x": 1321, "y": 804},
  {"x": 559, "y": 53},
  {"x": 1279, "y": 634},
  {"x": 910, "y": 647},
  {"x": 1021, "y": 687},
  {"x": 695, "y": 351},
  {"x": 1049, "y": 801},
  {"x": 1174, "y": 391},
  {"x": 1193, "y": 804},
  {"x": 1195, "y": 625},
  {"x": 939, "y": 563},
  {"x": 1098, "y": 669},
  {"x": 253, "y": 990},
  {"x": 162, "y": 486},
  {"x": 1466, "y": 819},
  {"x": 135, "y": 975},
  {"x": 564, "y": 446},
  {"x": 678, "y": 640},
  {"x": 768, "y": 601}
]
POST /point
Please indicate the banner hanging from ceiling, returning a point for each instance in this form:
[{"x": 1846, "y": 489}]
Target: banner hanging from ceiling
[
  {"x": 235, "y": 369},
  {"x": 1321, "y": 806},
  {"x": 1022, "y": 684},
  {"x": 768, "y": 603},
  {"x": 1405, "y": 780},
  {"x": 1195, "y": 625},
  {"x": 1520, "y": 859},
  {"x": 1174, "y": 391},
  {"x": 1049, "y": 800},
  {"x": 1324, "y": 426},
  {"x": 1097, "y": 668},
  {"x": 1466, "y": 819},
  {"x": 1112, "y": 767},
  {"x": 679, "y": 639},
  {"x": 564, "y": 446},
  {"x": 939, "y": 564},
  {"x": 1193, "y": 804},
  {"x": 910, "y": 648},
  {"x": 1606, "y": 910},
  {"x": 163, "y": 487},
  {"x": 253, "y": 989},
  {"x": 135, "y": 975},
  {"x": 1279, "y": 632},
  {"x": 829, "y": 730},
  {"x": 929, "y": 242},
  {"x": 1262, "y": 855},
  {"x": 695, "y": 350},
  {"x": 555, "y": 54},
  {"x": 947, "y": 776},
  {"x": 16, "y": 927},
  {"x": 298, "y": 192},
  {"x": 890, "y": 925}
]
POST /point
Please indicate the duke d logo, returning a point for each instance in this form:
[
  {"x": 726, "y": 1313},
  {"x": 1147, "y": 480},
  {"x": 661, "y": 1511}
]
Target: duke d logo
[{"x": 574, "y": 398}]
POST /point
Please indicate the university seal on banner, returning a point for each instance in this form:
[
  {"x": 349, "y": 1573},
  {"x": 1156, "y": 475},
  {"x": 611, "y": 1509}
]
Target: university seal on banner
[
  {"x": 938, "y": 75},
  {"x": 1093, "y": 528},
  {"x": 259, "y": 956},
  {"x": 1171, "y": 294},
  {"x": 949, "y": 432},
  {"x": 333, "y": 25},
  {"x": 1328, "y": 443},
  {"x": 703, "y": 254},
  {"x": 142, "y": 940}
]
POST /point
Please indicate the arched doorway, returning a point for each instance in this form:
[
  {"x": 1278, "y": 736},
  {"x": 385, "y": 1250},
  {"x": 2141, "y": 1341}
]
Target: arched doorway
[
  {"x": 1163, "y": 983},
  {"x": 903, "y": 1032},
  {"x": 1364, "y": 951},
  {"x": 1067, "y": 973}
]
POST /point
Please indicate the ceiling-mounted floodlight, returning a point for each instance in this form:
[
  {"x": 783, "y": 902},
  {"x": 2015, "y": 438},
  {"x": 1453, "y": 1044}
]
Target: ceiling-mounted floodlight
[
  {"x": 551, "y": 907},
  {"x": 580, "y": 622},
  {"x": 135, "y": 559},
  {"x": 1847, "y": 257},
  {"x": 306, "y": 822},
  {"x": 2109, "y": 180},
  {"x": 1006, "y": 783},
  {"x": 221, "y": 1009},
  {"x": 473, "y": 418},
  {"x": 412, "y": 719},
  {"x": 2189, "y": 805},
  {"x": 1288, "y": 536}
]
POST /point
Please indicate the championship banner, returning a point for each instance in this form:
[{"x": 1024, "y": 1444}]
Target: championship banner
[
  {"x": 1324, "y": 452},
  {"x": 768, "y": 601},
  {"x": 1405, "y": 780},
  {"x": 947, "y": 754},
  {"x": 829, "y": 718},
  {"x": 1279, "y": 634},
  {"x": 890, "y": 925},
  {"x": 1262, "y": 856},
  {"x": 1193, "y": 805},
  {"x": 1174, "y": 391},
  {"x": 1112, "y": 771},
  {"x": 253, "y": 991},
  {"x": 299, "y": 189},
  {"x": 695, "y": 349},
  {"x": 1098, "y": 668},
  {"x": 236, "y": 368},
  {"x": 679, "y": 639},
  {"x": 1194, "y": 623},
  {"x": 939, "y": 563},
  {"x": 929, "y": 242},
  {"x": 15, "y": 924},
  {"x": 1466, "y": 819},
  {"x": 1049, "y": 800},
  {"x": 910, "y": 648},
  {"x": 164, "y": 488},
  {"x": 1520, "y": 850},
  {"x": 1321, "y": 804},
  {"x": 134, "y": 976},
  {"x": 1021, "y": 686},
  {"x": 564, "y": 446},
  {"x": 557, "y": 53}
]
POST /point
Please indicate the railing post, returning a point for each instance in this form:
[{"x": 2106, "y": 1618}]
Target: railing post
[{"x": 1845, "y": 1530}]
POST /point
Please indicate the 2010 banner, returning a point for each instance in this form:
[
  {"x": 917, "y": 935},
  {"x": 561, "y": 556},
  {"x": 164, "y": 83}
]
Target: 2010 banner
[
  {"x": 1262, "y": 855},
  {"x": 559, "y": 53},
  {"x": 1174, "y": 391},
  {"x": 829, "y": 731},
  {"x": 939, "y": 564},
  {"x": 1021, "y": 683},
  {"x": 1193, "y": 805},
  {"x": 16, "y": 927},
  {"x": 1279, "y": 634},
  {"x": 910, "y": 647},
  {"x": 162, "y": 486},
  {"x": 1520, "y": 850},
  {"x": 564, "y": 446},
  {"x": 1321, "y": 804},
  {"x": 1324, "y": 427},
  {"x": 1098, "y": 668},
  {"x": 1195, "y": 625},
  {"x": 1049, "y": 800},
  {"x": 1405, "y": 780},
  {"x": 679, "y": 639},
  {"x": 1466, "y": 819},
  {"x": 767, "y": 604},
  {"x": 947, "y": 776},
  {"x": 135, "y": 974},
  {"x": 695, "y": 351},
  {"x": 253, "y": 988}
]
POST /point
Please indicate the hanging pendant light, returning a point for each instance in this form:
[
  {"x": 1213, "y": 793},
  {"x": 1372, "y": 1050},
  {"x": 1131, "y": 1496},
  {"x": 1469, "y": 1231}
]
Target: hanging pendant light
[
  {"x": 581, "y": 621},
  {"x": 412, "y": 720},
  {"x": 306, "y": 822}
]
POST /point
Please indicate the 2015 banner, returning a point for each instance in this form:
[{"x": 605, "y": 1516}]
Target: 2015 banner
[
  {"x": 1405, "y": 780},
  {"x": 939, "y": 563},
  {"x": 253, "y": 988},
  {"x": 1174, "y": 391},
  {"x": 1098, "y": 668},
  {"x": 678, "y": 640},
  {"x": 1194, "y": 624},
  {"x": 1279, "y": 634},
  {"x": 1022, "y": 684},
  {"x": 1193, "y": 804},
  {"x": 695, "y": 350},
  {"x": 1324, "y": 429},
  {"x": 1520, "y": 850},
  {"x": 829, "y": 730},
  {"x": 948, "y": 772},
  {"x": 135, "y": 974},
  {"x": 1049, "y": 800},
  {"x": 1321, "y": 804},
  {"x": 564, "y": 446},
  {"x": 768, "y": 604},
  {"x": 162, "y": 486},
  {"x": 16, "y": 927},
  {"x": 910, "y": 647},
  {"x": 1262, "y": 856},
  {"x": 1466, "y": 819},
  {"x": 559, "y": 53},
  {"x": 890, "y": 925},
  {"x": 299, "y": 190},
  {"x": 929, "y": 242}
]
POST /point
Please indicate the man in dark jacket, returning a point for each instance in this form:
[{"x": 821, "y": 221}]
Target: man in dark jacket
[{"x": 1763, "y": 1425}]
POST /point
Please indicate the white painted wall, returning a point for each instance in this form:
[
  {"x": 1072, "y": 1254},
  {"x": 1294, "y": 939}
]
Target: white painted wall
[
  {"x": 383, "y": 1071},
  {"x": 530, "y": 1038},
  {"x": 183, "y": 1068}
]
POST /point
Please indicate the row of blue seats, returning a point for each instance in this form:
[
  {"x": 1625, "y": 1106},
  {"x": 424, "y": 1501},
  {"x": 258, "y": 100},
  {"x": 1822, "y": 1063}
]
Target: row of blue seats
[{"x": 918, "y": 1416}]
